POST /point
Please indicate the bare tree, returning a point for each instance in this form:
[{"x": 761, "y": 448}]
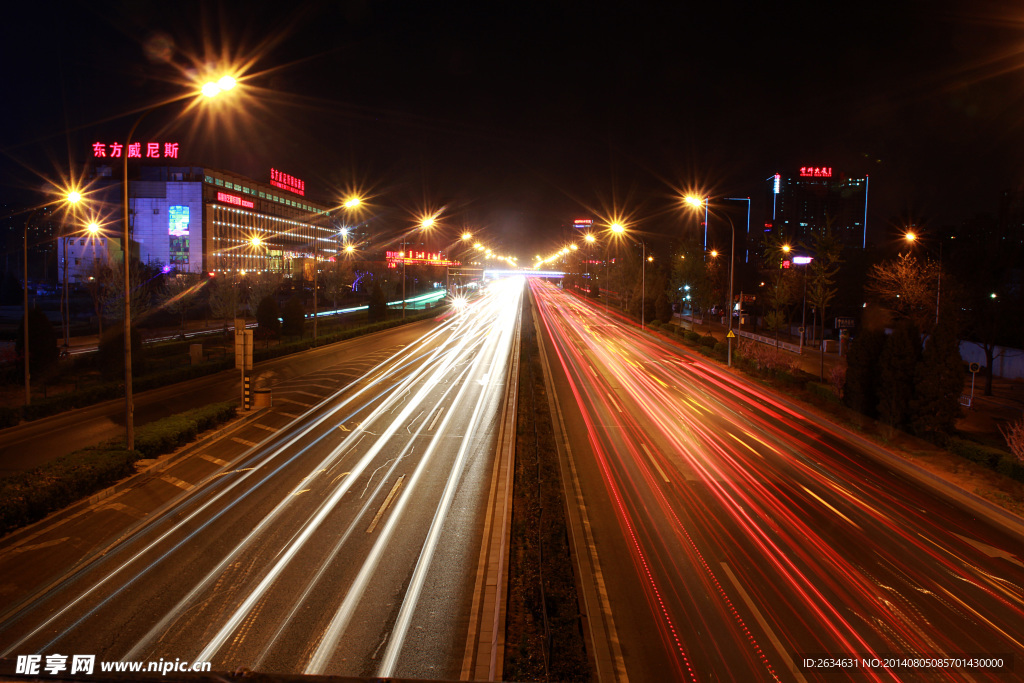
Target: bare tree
[
  {"x": 225, "y": 298},
  {"x": 96, "y": 278},
  {"x": 821, "y": 289},
  {"x": 906, "y": 286},
  {"x": 337, "y": 279},
  {"x": 180, "y": 291},
  {"x": 261, "y": 286}
]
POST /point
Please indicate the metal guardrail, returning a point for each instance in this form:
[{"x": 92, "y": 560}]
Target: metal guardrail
[{"x": 768, "y": 340}]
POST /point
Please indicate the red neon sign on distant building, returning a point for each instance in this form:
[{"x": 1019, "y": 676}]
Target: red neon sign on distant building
[
  {"x": 232, "y": 199},
  {"x": 815, "y": 171},
  {"x": 287, "y": 182},
  {"x": 414, "y": 258},
  {"x": 153, "y": 150}
]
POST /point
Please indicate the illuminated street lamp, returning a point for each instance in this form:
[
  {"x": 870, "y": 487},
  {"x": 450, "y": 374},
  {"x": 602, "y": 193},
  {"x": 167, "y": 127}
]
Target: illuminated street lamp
[
  {"x": 696, "y": 202},
  {"x": 619, "y": 229},
  {"x": 92, "y": 229},
  {"x": 911, "y": 238},
  {"x": 210, "y": 90},
  {"x": 72, "y": 197}
]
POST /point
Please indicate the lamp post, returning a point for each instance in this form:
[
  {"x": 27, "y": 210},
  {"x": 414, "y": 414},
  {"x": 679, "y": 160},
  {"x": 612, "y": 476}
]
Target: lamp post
[
  {"x": 619, "y": 229},
  {"x": 697, "y": 202},
  {"x": 210, "y": 89},
  {"x": 72, "y": 197},
  {"x": 911, "y": 237}
]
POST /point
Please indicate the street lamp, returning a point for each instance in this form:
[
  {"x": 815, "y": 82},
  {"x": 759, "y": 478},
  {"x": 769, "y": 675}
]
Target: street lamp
[
  {"x": 696, "y": 202},
  {"x": 619, "y": 229},
  {"x": 911, "y": 237},
  {"x": 210, "y": 90},
  {"x": 92, "y": 229},
  {"x": 72, "y": 197}
]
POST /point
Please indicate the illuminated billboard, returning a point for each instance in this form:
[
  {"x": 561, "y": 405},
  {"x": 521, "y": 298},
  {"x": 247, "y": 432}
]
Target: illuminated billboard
[
  {"x": 287, "y": 182},
  {"x": 232, "y": 199},
  {"x": 815, "y": 171},
  {"x": 583, "y": 223},
  {"x": 178, "y": 221}
]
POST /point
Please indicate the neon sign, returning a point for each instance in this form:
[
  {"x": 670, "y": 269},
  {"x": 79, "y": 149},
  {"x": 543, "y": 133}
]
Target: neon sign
[
  {"x": 232, "y": 199},
  {"x": 583, "y": 223},
  {"x": 421, "y": 258},
  {"x": 152, "y": 150},
  {"x": 815, "y": 171},
  {"x": 778, "y": 181},
  {"x": 287, "y": 182}
]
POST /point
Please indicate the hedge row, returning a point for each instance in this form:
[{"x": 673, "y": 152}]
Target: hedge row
[
  {"x": 993, "y": 458},
  {"x": 29, "y": 496}
]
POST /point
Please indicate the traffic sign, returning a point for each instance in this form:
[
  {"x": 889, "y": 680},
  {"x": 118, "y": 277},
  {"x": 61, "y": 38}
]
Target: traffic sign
[
  {"x": 974, "y": 367},
  {"x": 731, "y": 335}
]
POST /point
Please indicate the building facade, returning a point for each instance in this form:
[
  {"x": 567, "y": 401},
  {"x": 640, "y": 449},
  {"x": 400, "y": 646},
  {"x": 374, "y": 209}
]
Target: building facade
[
  {"x": 800, "y": 205},
  {"x": 195, "y": 219}
]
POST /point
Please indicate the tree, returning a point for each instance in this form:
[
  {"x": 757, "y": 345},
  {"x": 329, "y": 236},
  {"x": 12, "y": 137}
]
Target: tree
[
  {"x": 780, "y": 292},
  {"x": 97, "y": 278},
  {"x": 225, "y": 298},
  {"x": 294, "y": 316},
  {"x": 906, "y": 286},
  {"x": 337, "y": 279},
  {"x": 260, "y": 286},
  {"x": 897, "y": 365},
  {"x": 268, "y": 317},
  {"x": 860, "y": 390},
  {"x": 180, "y": 292},
  {"x": 821, "y": 288},
  {"x": 42, "y": 341},
  {"x": 938, "y": 383},
  {"x": 378, "y": 307}
]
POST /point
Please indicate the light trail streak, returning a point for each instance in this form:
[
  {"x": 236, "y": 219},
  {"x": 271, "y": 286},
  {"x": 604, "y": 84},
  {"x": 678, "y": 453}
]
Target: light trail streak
[
  {"x": 412, "y": 383},
  {"x": 794, "y": 516}
]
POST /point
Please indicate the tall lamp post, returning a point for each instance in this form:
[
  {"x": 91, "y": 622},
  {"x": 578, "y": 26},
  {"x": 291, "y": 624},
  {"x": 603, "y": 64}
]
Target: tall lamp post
[
  {"x": 351, "y": 203},
  {"x": 210, "y": 89},
  {"x": 619, "y": 229},
  {"x": 698, "y": 202},
  {"x": 911, "y": 237},
  {"x": 72, "y": 198}
]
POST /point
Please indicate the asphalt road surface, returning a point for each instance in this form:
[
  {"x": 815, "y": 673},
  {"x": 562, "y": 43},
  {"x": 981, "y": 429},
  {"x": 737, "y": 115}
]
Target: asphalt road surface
[
  {"x": 740, "y": 540},
  {"x": 347, "y": 543}
]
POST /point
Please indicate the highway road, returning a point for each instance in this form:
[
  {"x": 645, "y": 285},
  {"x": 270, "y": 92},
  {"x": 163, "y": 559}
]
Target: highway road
[
  {"x": 738, "y": 537},
  {"x": 346, "y": 543}
]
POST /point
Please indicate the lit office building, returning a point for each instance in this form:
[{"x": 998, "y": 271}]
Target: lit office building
[
  {"x": 194, "y": 219},
  {"x": 800, "y": 206}
]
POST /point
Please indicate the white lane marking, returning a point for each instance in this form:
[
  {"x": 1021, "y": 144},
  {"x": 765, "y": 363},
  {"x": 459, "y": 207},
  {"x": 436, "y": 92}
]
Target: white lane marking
[
  {"x": 439, "y": 411},
  {"x": 244, "y": 442},
  {"x": 264, "y": 427},
  {"x": 215, "y": 461},
  {"x": 797, "y": 674},
  {"x": 385, "y": 505},
  {"x": 177, "y": 482},
  {"x": 654, "y": 462}
]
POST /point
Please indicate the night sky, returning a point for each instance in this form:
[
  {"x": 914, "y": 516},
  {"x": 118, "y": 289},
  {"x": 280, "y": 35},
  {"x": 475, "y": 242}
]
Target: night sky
[{"x": 520, "y": 116}]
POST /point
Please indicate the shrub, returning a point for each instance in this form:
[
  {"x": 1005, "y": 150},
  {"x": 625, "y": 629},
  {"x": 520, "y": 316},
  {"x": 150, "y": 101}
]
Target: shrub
[
  {"x": 1013, "y": 432},
  {"x": 294, "y": 315},
  {"x": 691, "y": 336},
  {"x": 708, "y": 341},
  {"x": 9, "y": 417},
  {"x": 28, "y": 496},
  {"x": 268, "y": 317},
  {"x": 671, "y": 328},
  {"x": 42, "y": 351},
  {"x": 110, "y": 357},
  {"x": 721, "y": 348},
  {"x": 976, "y": 452},
  {"x": 656, "y": 324},
  {"x": 823, "y": 391}
]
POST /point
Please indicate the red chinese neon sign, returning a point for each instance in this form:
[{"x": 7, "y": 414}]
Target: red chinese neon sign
[
  {"x": 815, "y": 171},
  {"x": 417, "y": 258},
  {"x": 232, "y": 199},
  {"x": 287, "y": 182},
  {"x": 152, "y": 150}
]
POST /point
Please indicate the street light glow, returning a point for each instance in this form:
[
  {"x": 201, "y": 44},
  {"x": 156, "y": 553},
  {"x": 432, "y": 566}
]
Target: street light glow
[
  {"x": 617, "y": 228},
  {"x": 910, "y": 236},
  {"x": 352, "y": 202},
  {"x": 714, "y": 253},
  {"x": 466, "y": 236},
  {"x": 74, "y": 197},
  {"x": 93, "y": 228},
  {"x": 694, "y": 201},
  {"x": 590, "y": 238}
]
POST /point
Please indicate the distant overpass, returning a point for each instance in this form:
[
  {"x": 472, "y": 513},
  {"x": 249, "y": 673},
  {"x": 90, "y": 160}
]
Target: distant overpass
[{"x": 527, "y": 272}]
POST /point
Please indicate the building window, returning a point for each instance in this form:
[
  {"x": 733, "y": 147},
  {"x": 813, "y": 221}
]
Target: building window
[{"x": 218, "y": 182}]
